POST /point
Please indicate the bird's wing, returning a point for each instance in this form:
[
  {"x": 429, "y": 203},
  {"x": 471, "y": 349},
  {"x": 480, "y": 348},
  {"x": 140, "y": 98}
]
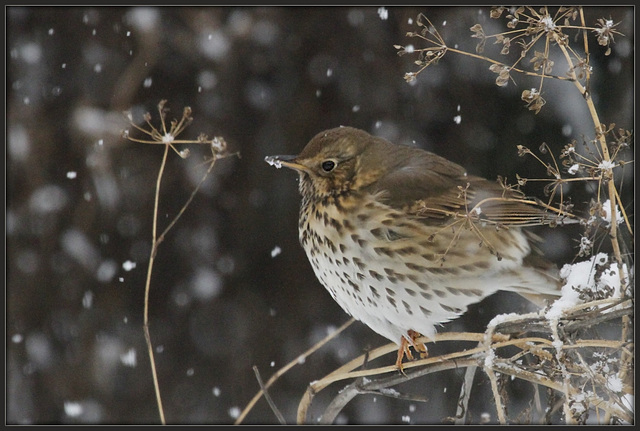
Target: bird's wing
[{"x": 437, "y": 190}]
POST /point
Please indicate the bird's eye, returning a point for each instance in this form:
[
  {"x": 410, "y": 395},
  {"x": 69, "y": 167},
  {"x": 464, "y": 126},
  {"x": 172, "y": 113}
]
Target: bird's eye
[{"x": 328, "y": 165}]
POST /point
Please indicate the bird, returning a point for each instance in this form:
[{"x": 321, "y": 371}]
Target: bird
[{"x": 405, "y": 240}]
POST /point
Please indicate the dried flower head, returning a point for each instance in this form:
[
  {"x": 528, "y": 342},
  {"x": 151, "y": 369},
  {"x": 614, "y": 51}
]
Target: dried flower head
[
  {"x": 168, "y": 136},
  {"x": 605, "y": 31},
  {"x": 534, "y": 32},
  {"x": 533, "y": 99}
]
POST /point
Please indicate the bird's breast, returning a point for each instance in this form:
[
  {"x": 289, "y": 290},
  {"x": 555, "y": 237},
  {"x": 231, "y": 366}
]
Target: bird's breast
[{"x": 339, "y": 234}]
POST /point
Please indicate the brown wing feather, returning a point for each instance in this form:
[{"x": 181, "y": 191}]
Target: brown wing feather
[{"x": 437, "y": 189}]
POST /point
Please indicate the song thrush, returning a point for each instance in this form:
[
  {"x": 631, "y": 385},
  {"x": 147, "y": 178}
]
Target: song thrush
[{"x": 405, "y": 240}]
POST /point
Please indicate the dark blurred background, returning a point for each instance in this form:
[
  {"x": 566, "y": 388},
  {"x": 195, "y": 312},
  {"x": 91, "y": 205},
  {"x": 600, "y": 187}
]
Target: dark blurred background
[{"x": 231, "y": 286}]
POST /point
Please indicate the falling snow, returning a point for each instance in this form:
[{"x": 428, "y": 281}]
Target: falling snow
[
  {"x": 129, "y": 358},
  {"x": 234, "y": 412},
  {"x": 87, "y": 299},
  {"x": 72, "y": 409},
  {"x": 128, "y": 265}
]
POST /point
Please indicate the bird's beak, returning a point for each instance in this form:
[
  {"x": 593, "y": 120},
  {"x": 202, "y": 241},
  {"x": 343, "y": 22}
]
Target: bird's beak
[{"x": 286, "y": 161}]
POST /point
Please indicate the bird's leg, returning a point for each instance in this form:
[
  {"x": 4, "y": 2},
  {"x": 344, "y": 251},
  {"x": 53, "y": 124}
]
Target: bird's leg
[
  {"x": 420, "y": 348},
  {"x": 402, "y": 351},
  {"x": 405, "y": 349}
]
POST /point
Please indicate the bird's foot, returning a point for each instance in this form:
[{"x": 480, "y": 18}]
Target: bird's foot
[{"x": 405, "y": 349}]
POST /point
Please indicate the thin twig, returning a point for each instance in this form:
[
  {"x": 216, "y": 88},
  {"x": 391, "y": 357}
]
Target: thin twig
[
  {"x": 167, "y": 139},
  {"x": 359, "y": 387},
  {"x": 496, "y": 395},
  {"x": 147, "y": 288},
  {"x": 184, "y": 207},
  {"x": 339, "y": 402},
  {"x": 465, "y": 395},
  {"x": 267, "y": 397},
  {"x": 299, "y": 360},
  {"x": 396, "y": 378}
]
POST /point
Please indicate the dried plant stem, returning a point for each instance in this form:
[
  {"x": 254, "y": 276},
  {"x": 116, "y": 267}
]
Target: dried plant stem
[
  {"x": 339, "y": 402},
  {"x": 486, "y": 355},
  {"x": 600, "y": 136},
  {"x": 345, "y": 371},
  {"x": 465, "y": 395},
  {"x": 184, "y": 207},
  {"x": 147, "y": 287},
  {"x": 502, "y": 418},
  {"x": 267, "y": 397},
  {"x": 155, "y": 243},
  {"x": 362, "y": 386},
  {"x": 614, "y": 197},
  {"x": 623, "y": 211},
  {"x": 167, "y": 137},
  {"x": 298, "y": 360},
  {"x": 493, "y": 378},
  {"x": 514, "y": 69}
]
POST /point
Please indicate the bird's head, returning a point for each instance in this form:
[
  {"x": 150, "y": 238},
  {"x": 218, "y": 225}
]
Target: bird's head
[{"x": 336, "y": 161}]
